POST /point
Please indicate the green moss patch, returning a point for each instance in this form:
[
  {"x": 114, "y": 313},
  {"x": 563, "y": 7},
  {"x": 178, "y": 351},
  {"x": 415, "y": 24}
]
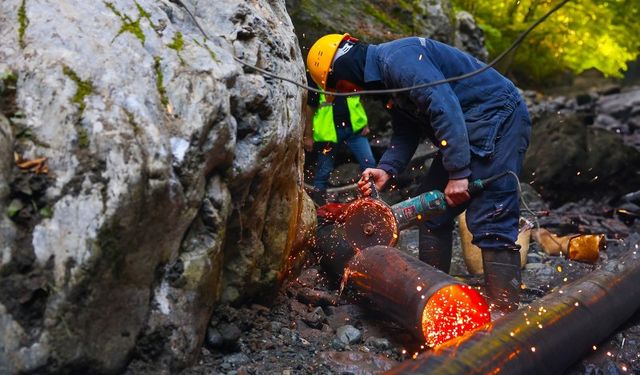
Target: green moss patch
[
  {"x": 177, "y": 44},
  {"x": 385, "y": 19},
  {"x": 132, "y": 121},
  {"x": 160, "y": 81},
  {"x": 129, "y": 25},
  {"x": 144, "y": 14},
  {"x": 83, "y": 138},
  {"x": 83, "y": 88},
  {"x": 204, "y": 45},
  {"x": 23, "y": 21}
]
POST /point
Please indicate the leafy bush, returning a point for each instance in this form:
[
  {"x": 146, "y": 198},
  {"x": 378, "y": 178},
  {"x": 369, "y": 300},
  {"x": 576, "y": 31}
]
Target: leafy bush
[{"x": 585, "y": 34}]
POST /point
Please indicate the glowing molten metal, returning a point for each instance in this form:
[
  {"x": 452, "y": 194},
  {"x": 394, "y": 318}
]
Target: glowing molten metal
[{"x": 451, "y": 312}]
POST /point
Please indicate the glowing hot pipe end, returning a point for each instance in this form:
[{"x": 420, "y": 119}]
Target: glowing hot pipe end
[{"x": 453, "y": 311}]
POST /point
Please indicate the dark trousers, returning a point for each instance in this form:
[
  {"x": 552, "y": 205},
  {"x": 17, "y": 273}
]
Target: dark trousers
[
  {"x": 357, "y": 143},
  {"x": 493, "y": 214}
]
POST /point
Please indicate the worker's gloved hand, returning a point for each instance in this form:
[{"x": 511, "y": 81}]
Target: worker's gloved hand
[
  {"x": 456, "y": 192},
  {"x": 379, "y": 177},
  {"x": 365, "y": 131}
]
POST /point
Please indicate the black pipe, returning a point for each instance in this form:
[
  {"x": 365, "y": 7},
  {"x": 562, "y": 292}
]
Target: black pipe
[
  {"x": 549, "y": 335},
  {"x": 406, "y": 289},
  {"x": 403, "y": 288}
]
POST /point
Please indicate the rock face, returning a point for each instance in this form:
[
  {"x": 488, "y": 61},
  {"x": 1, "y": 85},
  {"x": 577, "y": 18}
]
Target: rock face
[
  {"x": 585, "y": 147},
  {"x": 569, "y": 161},
  {"x": 174, "y": 175},
  {"x": 382, "y": 20}
]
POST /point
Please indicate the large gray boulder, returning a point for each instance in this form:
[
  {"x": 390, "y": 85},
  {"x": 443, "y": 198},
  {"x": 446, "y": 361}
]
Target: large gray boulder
[
  {"x": 175, "y": 175},
  {"x": 568, "y": 160}
]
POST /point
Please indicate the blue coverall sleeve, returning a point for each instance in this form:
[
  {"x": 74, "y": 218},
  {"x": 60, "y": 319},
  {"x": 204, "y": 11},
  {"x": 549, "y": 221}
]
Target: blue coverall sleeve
[
  {"x": 438, "y": 104},
  {"x": 403, "y": 145}
]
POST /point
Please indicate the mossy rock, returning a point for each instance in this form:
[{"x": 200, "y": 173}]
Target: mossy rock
[{"x": 373, "y": 21}]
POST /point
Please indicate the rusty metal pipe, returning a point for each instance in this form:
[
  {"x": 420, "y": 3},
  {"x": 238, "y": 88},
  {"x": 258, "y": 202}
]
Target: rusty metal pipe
[
  {"x": 549, "y": 335},
  {"x": 430, "y": 304}
]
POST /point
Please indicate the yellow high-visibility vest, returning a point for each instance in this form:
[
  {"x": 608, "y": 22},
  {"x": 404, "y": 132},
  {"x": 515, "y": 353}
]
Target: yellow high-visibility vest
[{"x": 323, "y": 128}]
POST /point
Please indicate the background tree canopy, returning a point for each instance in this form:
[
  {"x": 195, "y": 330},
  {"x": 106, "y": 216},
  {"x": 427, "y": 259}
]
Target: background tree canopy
[{"x": 584, "y": 34}]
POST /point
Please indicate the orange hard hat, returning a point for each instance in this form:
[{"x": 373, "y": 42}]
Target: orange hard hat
[{"x": 321, "y": 56}]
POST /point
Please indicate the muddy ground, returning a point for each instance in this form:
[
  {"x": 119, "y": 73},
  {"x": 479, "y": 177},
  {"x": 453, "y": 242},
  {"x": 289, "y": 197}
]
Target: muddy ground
[{"x": 311, "y": 329}]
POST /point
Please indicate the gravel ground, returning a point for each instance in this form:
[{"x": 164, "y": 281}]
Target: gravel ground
[{"x": 311, "y": 329}]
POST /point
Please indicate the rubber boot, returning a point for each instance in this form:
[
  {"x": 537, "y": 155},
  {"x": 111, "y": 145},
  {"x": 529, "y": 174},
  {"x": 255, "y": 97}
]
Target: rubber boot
[
  {"x": 502, "y": 277},
  {"x": 435, "y": 247},
  {"x": 319, "y": 197}
]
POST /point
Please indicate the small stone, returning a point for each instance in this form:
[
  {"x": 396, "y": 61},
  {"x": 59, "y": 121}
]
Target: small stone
[
  {"x": 315, "y": 319},
  {"x": 276, "y": 327},
  {"x": 337, "y": 344},
  {"x": 534, "y": 258},
  {"x": 315, "y": 297},
  {"x": 214, "y": 338},
  {"x": 349, "y": 334},
  {"x": 237, "y": 359},
  {"x": 230, "y": 333},
  {"x": 260, "y": 309},
  {"x": 378, "y": 343},
  {"x": 309, "y": 277},
  {"x": 298, "y": 308},
  {"x": 286, "y": 332}
]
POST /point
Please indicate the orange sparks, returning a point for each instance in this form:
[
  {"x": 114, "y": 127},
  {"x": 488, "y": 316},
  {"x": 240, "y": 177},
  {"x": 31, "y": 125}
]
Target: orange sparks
[{"x": 451, "y": 312}]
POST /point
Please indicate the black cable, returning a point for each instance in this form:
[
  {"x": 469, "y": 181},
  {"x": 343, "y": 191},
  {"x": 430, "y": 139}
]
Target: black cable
[{"x": 515, "y": 44}]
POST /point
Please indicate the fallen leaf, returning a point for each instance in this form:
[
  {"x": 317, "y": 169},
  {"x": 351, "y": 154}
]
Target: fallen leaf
[{"x": 37, "y": 166}]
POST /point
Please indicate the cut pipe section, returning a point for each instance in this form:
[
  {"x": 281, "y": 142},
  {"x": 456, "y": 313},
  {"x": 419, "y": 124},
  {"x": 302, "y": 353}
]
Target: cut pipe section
[
  {"x": 430, "y": 304},
  {"x": 549, "y": 335}
]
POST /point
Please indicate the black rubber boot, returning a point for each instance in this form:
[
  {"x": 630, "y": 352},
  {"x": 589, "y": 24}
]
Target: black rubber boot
[
  {"x": 435, "y": 247},
  {"x": 502, "y": 277},
  {"x": 319, "y": 197}
]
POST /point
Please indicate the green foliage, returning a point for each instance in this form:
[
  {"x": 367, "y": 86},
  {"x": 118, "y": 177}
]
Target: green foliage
[
  {"x": 600, "y": 34},
  {"x": 14, "y": 207},
  {"x": 46, "y": 212}
]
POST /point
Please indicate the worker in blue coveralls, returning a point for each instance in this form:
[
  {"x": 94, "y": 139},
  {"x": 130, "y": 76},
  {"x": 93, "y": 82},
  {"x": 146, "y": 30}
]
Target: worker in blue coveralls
[
  {"x": 332, "y": 122},
  {"x": 480, "y": 125}
]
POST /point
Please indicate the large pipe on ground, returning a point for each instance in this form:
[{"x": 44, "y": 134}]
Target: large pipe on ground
[
  {"x": 549, "y": 335},
  {"x": 430, "y": 304}
]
